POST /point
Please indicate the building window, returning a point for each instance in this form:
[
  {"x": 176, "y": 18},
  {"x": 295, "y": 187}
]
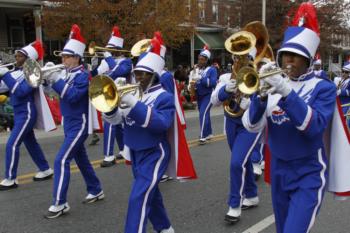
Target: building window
[
  {"x": 201, "y": 9},
  {"x": 16, "y": 36},
  {"x": 215, "y": 10}
]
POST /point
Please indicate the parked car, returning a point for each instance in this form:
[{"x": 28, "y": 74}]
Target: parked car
[{"x": 6, "y": 116}]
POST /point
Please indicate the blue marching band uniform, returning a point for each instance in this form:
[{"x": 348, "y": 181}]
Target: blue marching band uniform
[
  {"x": 25, "y": 117},
  {"x": 296, "y": 115},
  {"x": 72, "y": 86},
  {"x": 243, "y": 190},
  {"x": 320, "y": 73},
  {"x": 119, "y": 67},
  {"x": 343, "y": 91},
  {"x": 145, "y": 135},
  {"x": 204, "y": 87}
]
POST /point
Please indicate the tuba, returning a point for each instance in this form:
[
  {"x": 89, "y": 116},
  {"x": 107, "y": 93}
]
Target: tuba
[
  {"x": 240, "y": 44},
  {"x": 105, "y": 95}
]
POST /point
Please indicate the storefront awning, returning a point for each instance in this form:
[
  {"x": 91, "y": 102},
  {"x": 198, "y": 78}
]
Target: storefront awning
[{"x": 214, "y": 40}]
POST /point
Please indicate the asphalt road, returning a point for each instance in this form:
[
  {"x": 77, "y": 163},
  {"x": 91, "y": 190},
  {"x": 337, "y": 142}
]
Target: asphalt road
[{"x": 194, "y": 206}]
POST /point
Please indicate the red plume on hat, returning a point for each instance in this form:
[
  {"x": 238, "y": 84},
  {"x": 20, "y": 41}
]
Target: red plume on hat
[
  {"x": 116, "y": 32},
  {"x": 159, "y": 37},
  {"x": 155, "y": 46},
  {"x": 306, "y": 17},
  {"x": 317, "y": 56},
  {"x": 76, "y": 34},
  {"x": 206, "y": 47},
  {"x": 38, "y": 46}
]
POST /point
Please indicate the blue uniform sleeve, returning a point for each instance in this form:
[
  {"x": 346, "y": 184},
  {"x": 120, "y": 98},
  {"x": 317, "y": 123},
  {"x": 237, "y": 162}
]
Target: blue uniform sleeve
[
  {"x": 324, "y": 75},
  {"x": 121, "y": 70},
  {"x": 158, "y": 118},
  {"x": 94, "y": 72},
  {"x": 210, "y": 78},
  {"x": 345, "y": 91},
  {"x": 19, "y": 88},
  {"x": 311, "y": 119},
  {"x": 72, "y": 92},
  {"x": 167, "y": 82},
  {"x": 223, "y": 95},
  {"x": 256, "y": 109}
]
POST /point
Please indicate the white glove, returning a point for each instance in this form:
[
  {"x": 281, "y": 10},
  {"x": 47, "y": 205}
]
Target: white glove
[
  {"x": 128, "y": 100},
  {"x": 107, "y": 54},
  {"x": 267, "y": 67},
  {"x": 244, "y": 104},
  {"x": 278, "y": 85},
  {"x": 231, "y": 87},
  {"x": 120, "y": 81},
  {"x": 55, "y": 76},
  {"x": 49, "y": 64},
  {"x": 103, "y": 67},
  {"x": 338, "y": 92},
  {"x": 3, "y": 71},
  {"x": 124, "y": 111}
]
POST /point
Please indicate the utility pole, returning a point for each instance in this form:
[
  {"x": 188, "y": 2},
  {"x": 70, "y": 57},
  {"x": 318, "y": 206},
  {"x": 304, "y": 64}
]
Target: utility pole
[{"x": 264, "y": 12}]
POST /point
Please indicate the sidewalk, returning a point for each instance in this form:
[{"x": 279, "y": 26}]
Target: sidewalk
[{"x": 189, "y": 114}]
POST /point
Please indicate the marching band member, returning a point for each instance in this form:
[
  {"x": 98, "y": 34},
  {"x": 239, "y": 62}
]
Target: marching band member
[
  {"x": 72, "y": 86},
  {"x": 145, "y": 135},
  {"x": 343, "y": 90},
  {"x": 114, "y": 68},
  {"x": 243, "y": 190},
  {"x": 204, "y": 87},
  {"x": 181, "y": 149},
  {"x": 296, "y": 109},
  {"x": 25, "y": 117},
  {"x": 318, "y": 71}
]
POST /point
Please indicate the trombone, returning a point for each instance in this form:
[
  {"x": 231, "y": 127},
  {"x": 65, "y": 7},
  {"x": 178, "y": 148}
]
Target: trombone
[
  {"x": 57, "y": 53},
  {"x": 93, "y": 48},
  {"x": 13, "y": 64},
  {"x": 33, "y": 72}
]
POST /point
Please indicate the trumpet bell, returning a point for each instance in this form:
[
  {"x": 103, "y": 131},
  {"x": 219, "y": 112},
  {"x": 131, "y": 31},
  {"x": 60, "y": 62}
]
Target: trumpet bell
[
  {"x": 32, "y": 72},
  {"x": 103, "y": 93},
  {"x": 240, "y": 43},
  {"x": 247, "y": 80},
  {"x": 140, "y": 47}
]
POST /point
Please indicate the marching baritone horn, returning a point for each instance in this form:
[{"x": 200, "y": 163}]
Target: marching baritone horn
[
  {"x": 33, "y": 72},
  {"x": 105, "y": 95},
  {"x": 140, "y": 47}
]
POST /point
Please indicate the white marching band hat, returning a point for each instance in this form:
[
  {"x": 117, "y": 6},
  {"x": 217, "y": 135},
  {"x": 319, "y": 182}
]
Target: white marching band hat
[
  {"x": 318, "y": 62},
  {"x": 115, "y": 40},
  {"x": 152, "y": 61},
  {"x": 303, "y": 36},
  {"x": 76, "y": 43},
  {"x": 33, "y": 51},
  {"x": 205, "y": 52}
]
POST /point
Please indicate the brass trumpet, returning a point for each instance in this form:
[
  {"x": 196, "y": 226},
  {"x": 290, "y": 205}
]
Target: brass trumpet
[
  {"x": 33, "y": 72},
  {"x": 105, "y": 95}
]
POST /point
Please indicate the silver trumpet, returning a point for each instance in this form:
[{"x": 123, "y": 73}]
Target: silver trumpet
[
  {"x": 34, "y": 73},
  {"x": 13, "y": 64}
]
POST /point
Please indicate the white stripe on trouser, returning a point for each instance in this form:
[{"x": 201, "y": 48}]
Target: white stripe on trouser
[
  {"x": 244, "y": 169},
  {"x": 153, "y": 183},
  {"x": 205, "y": 112},
  {"x": 109, "y": 140},
  {"x": 65, "y": 157},
  {"x": 320, "y": 190},
  {"x": 16, "y": 141}
]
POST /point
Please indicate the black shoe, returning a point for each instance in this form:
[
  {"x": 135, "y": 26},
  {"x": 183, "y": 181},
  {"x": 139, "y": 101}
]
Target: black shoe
[
  {"x": 51, "y": 214},
  {"x": 247, "y": 207},
  {"x": 256, "y": 177},
  {"x": 93, "y": 199},
  {"x": 94, "y": 141},
  {"x": 119, "y": 157},
  {"x": 107, "y": 163},
  {"x": 4, "y": 188},
  {"x": 165, "y": 178},
  {"x": 231, "y": 219}
]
